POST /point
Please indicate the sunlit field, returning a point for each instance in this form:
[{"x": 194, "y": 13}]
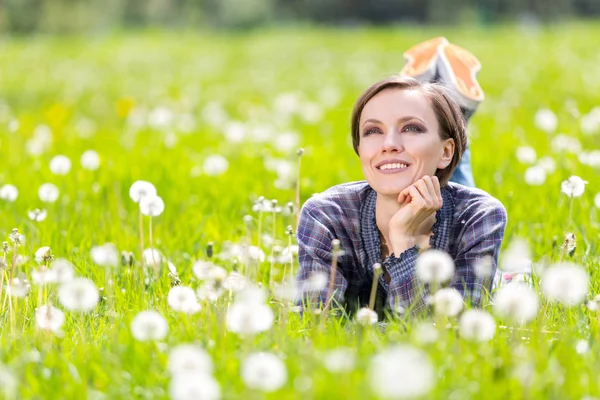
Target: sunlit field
[{"x": 215, "y": 124}]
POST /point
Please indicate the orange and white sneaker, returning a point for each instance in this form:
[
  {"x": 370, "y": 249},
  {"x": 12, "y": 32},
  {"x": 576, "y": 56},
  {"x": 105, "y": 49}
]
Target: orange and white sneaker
[
  {"x": 457, "y": 69},
  {"x": 422, "y": 59}
]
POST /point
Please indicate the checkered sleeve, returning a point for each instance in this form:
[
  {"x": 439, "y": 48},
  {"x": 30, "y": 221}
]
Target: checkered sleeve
[
  {"x": 315, "y": 234},
  {"x": 403, "y": 288},
  {"x": 482, "y": 237}
]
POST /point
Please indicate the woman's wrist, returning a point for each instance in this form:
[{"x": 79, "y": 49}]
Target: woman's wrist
[{"x": 401, "y": 243}]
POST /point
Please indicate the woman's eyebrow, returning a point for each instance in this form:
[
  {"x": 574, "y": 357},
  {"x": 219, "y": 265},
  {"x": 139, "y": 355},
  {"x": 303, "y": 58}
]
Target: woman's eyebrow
[
  {"x": 401, "y": 120},
  {"x": 371, "y": 120}
]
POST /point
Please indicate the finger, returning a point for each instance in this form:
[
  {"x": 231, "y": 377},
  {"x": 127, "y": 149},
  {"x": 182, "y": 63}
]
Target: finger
[
  {"x": 415, "y": 194},
  {"x": 404, "y": 196},
  {"x": 429, "y": 183},
  {"x": 421, "y": 186},
  {"x": 438, "y": 190}
]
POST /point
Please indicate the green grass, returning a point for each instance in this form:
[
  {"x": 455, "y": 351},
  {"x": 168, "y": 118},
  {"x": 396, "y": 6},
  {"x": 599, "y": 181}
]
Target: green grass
[{"x": 69, "y": 84}]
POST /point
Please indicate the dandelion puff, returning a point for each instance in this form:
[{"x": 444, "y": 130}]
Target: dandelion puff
[
  {"x": 547, "y": 163},
  {"x": 183, "y": 299},
  {"x": 582, "y": 347},
  {"x": 573, "y": 187},
  {"x": 194, "y": 387},
  {"x": 365, "y": 316},
  {"x": 400, "y": 372},
  {"x": 516, "y": 259},
  {"x": 60, "y": 165},
  {"x": 149, "y": 326},
  {"x": 248, "y": 318},
  {"x": 152, "y": 206},
  {"x": 79, "y": 294},
  {"x": 425, "y": 333},
  {"x": 43, "y": 254},
  {"x": 9, "y": 193},
  {"x": 546, "y": 120},
  {"x": 535, "y": 176},
  {"x": 447, "y": 301},
  {"x": 316, "y": 282},
  {"x": 434, "y": 267},
  {"x": 43, "y": 276},
  {"x": 90, "y": 160},
  {"x": 566, "y": 283},
  {"x": 484, "y": 267},
  {"x": 235, "y": 282},
  {"x": 201, "y": 269},
  {"x": 477, "y": 325},
  {"x": 105, "y": 255},
  {"x": 141, "y": 189},
  {"x": 49, "y": 318},
  {"x": 18, "y": 286},
  {"x": 339, "y": 360},
  {"x": 189, "y": 359},
  {"x": 153, "y": 258},
  {"x": 215, "y": 165},
  {"x": 526, "y": 155},
  {"x": 516, "y": 301},
  {"x": 63, "y": 270},
  {"x": 37, "y": 215},
  {"x": 48, "y": 193},
  {"x": 264, "y": 371}
]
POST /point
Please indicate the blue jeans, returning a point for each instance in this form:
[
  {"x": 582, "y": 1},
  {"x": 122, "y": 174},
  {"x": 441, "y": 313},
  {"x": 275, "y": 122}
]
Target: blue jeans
[{"x": 463, "y": 173}]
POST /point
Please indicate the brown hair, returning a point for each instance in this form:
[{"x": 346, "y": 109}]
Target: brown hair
[{"x": 450, "y": 119}]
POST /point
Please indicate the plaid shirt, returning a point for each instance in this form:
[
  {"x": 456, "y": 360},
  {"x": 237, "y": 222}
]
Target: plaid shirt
[{"x": 469, "y": 226}]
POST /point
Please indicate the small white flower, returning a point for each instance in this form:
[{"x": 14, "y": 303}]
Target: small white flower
[
  {"x": 141, "y": 189},
  {"x": 447, "y": 301},
  {"x": 316, "y": 282},
  {"x": 565, "y": 283},
  {"x": 249, "y": 318},
  {"x": 235, "y": 282},
  {"x": 573, "y": 187},
  {"x": 18, "y": 287},
  {"x": 160, "y": 117},
  {"x": 105, "y": 255},
  {"x": 153, "y": 258},
  {"x": 477, "y": 325},
  {"x": 547, "y": 163},
  {"x": 264, "y": 371},
  {"x": 484, "y": 267},
  {"x": 526, "y": 155},
  {"x": 42, "y": 254},
  {"x": 517, "y": 301},
  {"x": 516, "y": 259},
  {"x": 48, "y": 193},
  {"x": 152, "y": 206},
  {"x": 434, "y": 267},
  {"x": 194, "y": 387},
  {"x": 582, "y": 347},
  {"x": 79, "y": 294},
  {"x": 49, "y": 318},
  {"x": 562, "y": 143},
  {"x": 401, "y": 372},
  {"x": 90, "y": 160},
  {"x": 287, "y": 142},
  {"x": 148, "y": 326},
  {"x": 201, "y": 269},
  {"x": 62, "y": 270},
  {"x": 215, "y": 165},
  {"x": 209, "y": 292},
  {"x": 183, "y": 299},
  {"x": 60, "y": 165},
  {"x": 546, "y": 120},
  {"x": 339, "y": 360},
  {"x": 43, "y": 276},
  {"x": 9, "y": 192},
  {"x": 37, "y": 215},
  {"x": 251, "y": 254},
  {"x": 365, "y": 316},
  {"x": 189, "y": 358},
  {"x": 535, "y": 176}
]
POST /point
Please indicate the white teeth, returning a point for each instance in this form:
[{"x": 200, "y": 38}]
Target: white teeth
[{"x": 393, "y": 166}]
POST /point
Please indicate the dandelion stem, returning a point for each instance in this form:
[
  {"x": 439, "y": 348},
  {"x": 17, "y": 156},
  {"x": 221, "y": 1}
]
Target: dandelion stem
[
  {"x": 297, "y": 208},
  {"x": 141, "y": 275},
  {"x": 336, "y": 248},
  {"x": 152, "y": 248},
  {"x": 376, "y": 275}
]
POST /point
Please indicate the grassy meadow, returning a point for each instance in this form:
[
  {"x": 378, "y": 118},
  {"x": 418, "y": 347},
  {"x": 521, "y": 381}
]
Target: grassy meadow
[{"x": 214, "y": 122}]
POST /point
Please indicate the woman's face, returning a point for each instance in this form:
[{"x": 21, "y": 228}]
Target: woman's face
[{"x": 399, "y": 141}]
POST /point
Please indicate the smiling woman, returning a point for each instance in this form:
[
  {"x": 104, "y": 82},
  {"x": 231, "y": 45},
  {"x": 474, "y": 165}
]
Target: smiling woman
[{"x": 409, "y": 137}]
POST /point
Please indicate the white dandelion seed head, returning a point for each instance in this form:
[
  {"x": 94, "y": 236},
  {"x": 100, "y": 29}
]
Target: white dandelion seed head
[
  {"x": 149, "y": 326},
  {"x": 287, "y": 290},
  {"x": 209, "y": 292},
  {"x": 249, "y": 318},
  {"x": 160, "y": 117},
  {"x": 434, "y": 267},
  {"x": 535, "y": 176},
  {"x": 215, "y": 165},
  {"x": 235, "y": 282},
  {"x": 547, "y": 163},
  {"x": 526, "y": 155},
  {"x": 62, "y": 270},
  {"x": 90, "y": 160},
  {"x": 263, "y": 371},
  {"x": 18, "y": 286},
  {"x": 573, "y": 187},
  {"x": 484, "y": 267},
  {"x": 287, "y": 142},
  {"x": 141, "y": 189},
  {"x": 60, "y": 165},
  {"x": 37, "y": 215},
  {"x": 477, "y": 325},
  {"x": 42, "y": 254},
  {"x": 251, "y": 254},
  {"x": 79, "y": 294},
  {"x": 189, "y": 359},
  {"x": 183, "y": 299},
  {"x": 235, "y": 132},
  {"x": 401, "y": 372},
  {"x": 566, "y": 283},
  {"x": 546, "y": 120},
  {"x": 563, "y": 143},
  {"x": 340, "y": 360},
  {"x": 9, "y": 192},
  {"x": 153, "y": 258},
  {"x": 48, "y": 193},
  {"x": 582, "y": 346},
  {"x": 201, "y": 269},
  {"x": 106, "y": 255},
  {"x": 42, "y": 276},
  {"x": 590, "y": 122},
  {"x": 516, "y": 301},
  {"x": 516, "y": 259},
  {"x": 152, "y": 206},
  {"x": 425, "y": 333},
  {"x": 447, "y": 301},
  {"x": 365, "y": 316},
  {"x": 49, "y": 318},
  {"x": 217, "y": 275},
  {"x": 252, "y": 295},
  {"x": 194, "y": 387},
  {"x": 316, "y": 282},
  {"x": 590, "y": 158}
]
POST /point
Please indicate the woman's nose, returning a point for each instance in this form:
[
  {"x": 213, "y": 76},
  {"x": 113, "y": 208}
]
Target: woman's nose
[{"x": 392, "y": 141}]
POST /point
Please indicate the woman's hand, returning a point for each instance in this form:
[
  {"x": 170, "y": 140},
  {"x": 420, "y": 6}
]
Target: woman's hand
[{"x": 419, "y": 203}]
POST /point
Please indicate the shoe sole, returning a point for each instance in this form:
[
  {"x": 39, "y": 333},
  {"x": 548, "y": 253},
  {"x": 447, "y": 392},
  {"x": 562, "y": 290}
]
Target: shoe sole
[
  {"x": 421, "y": 59},
  {"x": 458, "y": 68}
]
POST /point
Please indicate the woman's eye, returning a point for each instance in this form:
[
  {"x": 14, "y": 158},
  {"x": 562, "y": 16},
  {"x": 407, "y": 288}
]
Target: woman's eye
[
  {"x": 413, "y": 128},
  {"x": 371, "y": 131}
]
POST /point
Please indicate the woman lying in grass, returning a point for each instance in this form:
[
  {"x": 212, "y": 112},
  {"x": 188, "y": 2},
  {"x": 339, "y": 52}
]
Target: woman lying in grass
[{"x": 409, "y": 137}]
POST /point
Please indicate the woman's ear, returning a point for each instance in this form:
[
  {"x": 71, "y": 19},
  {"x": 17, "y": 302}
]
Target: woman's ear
[{"x": 447, "y": 153}]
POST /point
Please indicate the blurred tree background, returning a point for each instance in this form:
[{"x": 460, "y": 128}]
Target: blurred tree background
[{"x": 79, "y": 16}]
